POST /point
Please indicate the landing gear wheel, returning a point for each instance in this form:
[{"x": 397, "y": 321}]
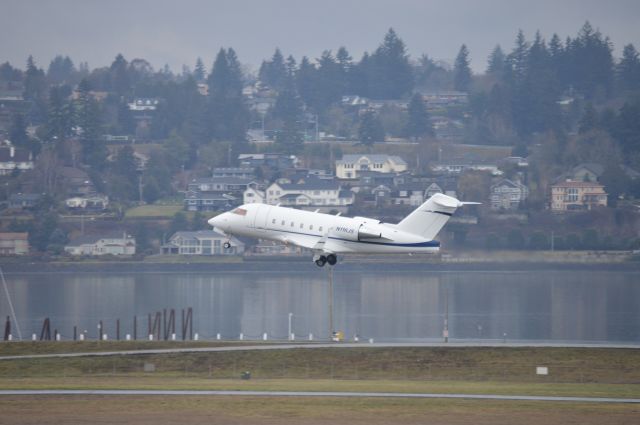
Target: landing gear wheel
[
  {"x": 227, "y": 245},
  {"x": 320, "y": 262},
  {"x": 332, "y": 259}
]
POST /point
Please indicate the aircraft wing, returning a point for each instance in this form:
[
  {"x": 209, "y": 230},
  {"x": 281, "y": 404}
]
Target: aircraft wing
[{"x": 317, "y": 244}]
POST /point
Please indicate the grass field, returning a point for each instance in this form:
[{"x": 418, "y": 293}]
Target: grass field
[
  {"x": 586, "y": 372},
  {"x": 302, "y": 411},
  {"x": 153, "y": 211}
]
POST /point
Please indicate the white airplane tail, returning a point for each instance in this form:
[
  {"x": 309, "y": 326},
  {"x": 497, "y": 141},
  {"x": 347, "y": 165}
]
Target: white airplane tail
[{"x": 430, "y": 217}]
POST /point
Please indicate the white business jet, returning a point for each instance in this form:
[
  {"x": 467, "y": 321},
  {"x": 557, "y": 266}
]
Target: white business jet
[{"x": 328, "y": 235}]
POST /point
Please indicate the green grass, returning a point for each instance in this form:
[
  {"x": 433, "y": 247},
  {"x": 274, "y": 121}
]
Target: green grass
[
  {"x": 475, "y": 364},
  {"x": 154, "y": 382},
  {"x": 153, "y": 211}
]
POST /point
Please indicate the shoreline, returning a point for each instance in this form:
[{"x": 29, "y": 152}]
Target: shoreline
[{"x": 522, "y": 261}]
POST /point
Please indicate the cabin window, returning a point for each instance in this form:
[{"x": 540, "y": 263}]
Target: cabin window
[
  {"x": 311, "y": 227},
  {"x": 282, "y": 222},
  {"x": 273, "y": 221},
  {"x": 302, "y": 225},
  {"x": 239, "y": 211},
  {"x": 292, "y": 224},
  {"x": 320, "y": 229}
]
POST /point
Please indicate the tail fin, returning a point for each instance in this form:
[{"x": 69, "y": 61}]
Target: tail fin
[{"x": 430, "y": 217}]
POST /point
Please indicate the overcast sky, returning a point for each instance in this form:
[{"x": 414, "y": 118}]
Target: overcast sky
[{"x": 177, "y": 32}]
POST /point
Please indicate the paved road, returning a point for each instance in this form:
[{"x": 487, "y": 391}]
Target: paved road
[
  {"x": 314, "y": 394},
  {"x": 308, "y": 346}
]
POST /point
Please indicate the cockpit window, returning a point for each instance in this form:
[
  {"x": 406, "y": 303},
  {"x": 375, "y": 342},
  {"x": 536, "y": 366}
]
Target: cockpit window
[{"x": 239, "y": 211}]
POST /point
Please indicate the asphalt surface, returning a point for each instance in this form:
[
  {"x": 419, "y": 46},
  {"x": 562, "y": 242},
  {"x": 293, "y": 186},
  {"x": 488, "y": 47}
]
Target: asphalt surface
[
  {"x": 314, "y": 394},
  {"x": 310, "y": 346}
]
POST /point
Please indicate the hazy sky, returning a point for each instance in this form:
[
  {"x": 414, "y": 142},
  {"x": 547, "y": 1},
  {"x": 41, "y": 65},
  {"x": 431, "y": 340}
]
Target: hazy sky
[{"x": 177, "y": 32}]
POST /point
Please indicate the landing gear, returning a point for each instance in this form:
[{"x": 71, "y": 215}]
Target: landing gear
[
  {"x": 226, "y": 245},
  {"x": 321, "y": 260}
]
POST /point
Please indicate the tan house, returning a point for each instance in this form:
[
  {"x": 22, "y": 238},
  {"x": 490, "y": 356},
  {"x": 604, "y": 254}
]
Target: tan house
[
  {"x": 114, "y": 244},
  {"x": 577, "y": 195},
  {"x": 350, "y": 166},
  {"x": 14, "y": 243}
]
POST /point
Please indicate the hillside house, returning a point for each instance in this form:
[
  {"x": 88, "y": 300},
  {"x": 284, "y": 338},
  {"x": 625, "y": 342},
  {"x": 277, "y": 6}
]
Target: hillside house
[
  {"x": 506, "y": 194},
  {"x": 312, "y": 192},
  {"x": 577, "y": 196},
  {"x": 350, "y": 166}
]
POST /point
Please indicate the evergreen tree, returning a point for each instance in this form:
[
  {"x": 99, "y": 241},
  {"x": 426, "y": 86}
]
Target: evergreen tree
[
  {"x": 119, "y": 76},
  {"x": 345, "y": 62},
  {"x": 199, "y": 71},
  {"x": 518, "y": 59},
  {"x": 462, "y": 71},
  {"x": 61, "y": 70},
  {"x": 35, "y": 90},
  {"x": 125, "y": 164},
  {"x": 289, "y": 138},
  {"x": 389, "y": 73},
  {"x": 591, "y": 59},
  {"x": 418, "y": 124},
  {"x": 59, "y": 115},
  {"x": 274, "y": 72},
  {"x": 371, "y": 129},
  {"x": 18, "y": 131},
  {"x": 291, "y": 67},
  {"x": 229, "y": 117},
  {"x": 178, "y": 223},
  {"x": 629, "y": 69},
  {"x": 305, "y": 78},
  {"x": 88, "y": 118},
  {"x": 496, "y": 62},
  {"x": 327, "y": 83},
  {"x": 589, "y": 119}
]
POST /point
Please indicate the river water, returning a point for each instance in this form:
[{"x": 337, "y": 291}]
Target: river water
[{"x": 390, "y": 303}]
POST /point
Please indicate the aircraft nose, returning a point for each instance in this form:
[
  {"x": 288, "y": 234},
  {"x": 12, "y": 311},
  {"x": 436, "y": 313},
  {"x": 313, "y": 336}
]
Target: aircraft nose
[{"x": 213, "y": 221}]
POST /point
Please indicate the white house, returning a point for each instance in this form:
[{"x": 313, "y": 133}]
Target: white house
[
  {"x": 507, "y": 195},
  {"x": 311, "y": 192},
  {"x": 12, "y": 158},
  {"x": 114, "y": 244},
  {"x": 350, "y": 165},
  {"x": 253, "y": 195},
  {"x": 201, "y": 242}
]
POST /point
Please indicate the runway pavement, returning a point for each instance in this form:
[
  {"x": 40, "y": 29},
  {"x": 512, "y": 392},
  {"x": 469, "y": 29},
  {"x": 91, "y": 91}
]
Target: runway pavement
[
  {"x": 292, "y": 346},
  {"x": 314, "y": 394}
]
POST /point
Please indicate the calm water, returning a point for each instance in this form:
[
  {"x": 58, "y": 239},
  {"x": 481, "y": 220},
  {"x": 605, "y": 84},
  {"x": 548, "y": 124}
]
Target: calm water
[{"x": 385, "y": 305}]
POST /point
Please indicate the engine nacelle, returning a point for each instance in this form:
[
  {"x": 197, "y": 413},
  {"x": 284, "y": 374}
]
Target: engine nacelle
[
  {"x": 358, "y": 233},
  {"x": 368, "y": 233}
]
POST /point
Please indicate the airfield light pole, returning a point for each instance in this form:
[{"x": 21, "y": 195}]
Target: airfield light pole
[
  {"x": 289, "y": 337},
  {"x": 445, "y": 331},
  {"x": 330, "y": 271}
]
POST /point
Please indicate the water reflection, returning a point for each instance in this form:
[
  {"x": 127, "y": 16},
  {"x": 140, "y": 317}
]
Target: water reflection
[{"x": 388, "y": 306}]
